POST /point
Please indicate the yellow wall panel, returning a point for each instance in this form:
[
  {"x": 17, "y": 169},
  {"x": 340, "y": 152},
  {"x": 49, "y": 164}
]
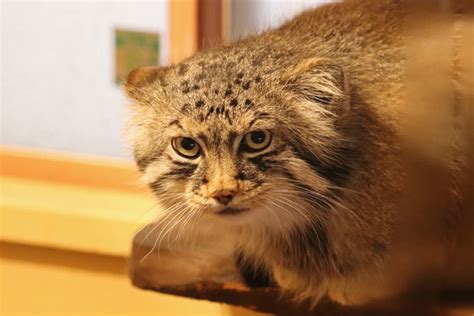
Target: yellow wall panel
[
  {"x": 42, "y": 281},
  {"x": 73, "y": 217}
]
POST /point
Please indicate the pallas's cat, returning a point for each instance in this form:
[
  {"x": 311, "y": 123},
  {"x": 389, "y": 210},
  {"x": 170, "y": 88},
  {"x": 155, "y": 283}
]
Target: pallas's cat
[{"x": 290, "y": 140}]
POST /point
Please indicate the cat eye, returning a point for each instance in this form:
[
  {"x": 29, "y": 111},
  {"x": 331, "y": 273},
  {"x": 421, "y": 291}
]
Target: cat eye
[
  {"x": 257, "y": 140},
  {"x": 186, "y": 147}
]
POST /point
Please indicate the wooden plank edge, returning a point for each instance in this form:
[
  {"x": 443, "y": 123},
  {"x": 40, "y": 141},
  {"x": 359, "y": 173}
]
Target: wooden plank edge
[{"x": 77, "y": 169}]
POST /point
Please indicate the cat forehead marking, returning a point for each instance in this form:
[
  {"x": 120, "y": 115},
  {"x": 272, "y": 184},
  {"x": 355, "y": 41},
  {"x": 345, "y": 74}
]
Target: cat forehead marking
[{"x": 214, "y": 90}]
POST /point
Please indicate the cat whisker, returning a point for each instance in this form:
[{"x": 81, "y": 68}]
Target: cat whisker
[
  {"x": 183, "y": 226},
  {"x": 177, "y": 218},
  {"x": 332, "y": 204},
  {"x": 167, "y": 213},
  {"x": 176, "y": 211}
]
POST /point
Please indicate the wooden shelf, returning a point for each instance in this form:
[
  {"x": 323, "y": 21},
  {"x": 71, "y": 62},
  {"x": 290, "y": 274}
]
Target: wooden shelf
[
  {"x": 196, "y": 273},
  {"x": 185, "y": 274}
]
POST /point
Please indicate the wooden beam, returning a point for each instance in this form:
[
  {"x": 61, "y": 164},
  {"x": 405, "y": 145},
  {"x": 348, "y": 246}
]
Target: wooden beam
[
  {"x": 183, "y": 29},
  {"x": 210, "y": 23}
]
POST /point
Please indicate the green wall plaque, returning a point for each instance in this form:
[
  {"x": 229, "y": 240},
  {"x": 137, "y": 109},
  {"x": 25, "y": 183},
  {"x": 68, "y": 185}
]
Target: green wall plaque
[{"x": 134, "y": 49}]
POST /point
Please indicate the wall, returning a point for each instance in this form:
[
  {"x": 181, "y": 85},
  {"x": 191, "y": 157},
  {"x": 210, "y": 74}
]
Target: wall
[
  {"x": 253, "y": 16},
  {"x": 58, "y": 89}
]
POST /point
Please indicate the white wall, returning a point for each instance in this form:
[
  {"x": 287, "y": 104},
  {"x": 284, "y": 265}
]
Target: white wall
[
  {"x": 254, "y": 16},
  {"x": 58, "y": 89}
]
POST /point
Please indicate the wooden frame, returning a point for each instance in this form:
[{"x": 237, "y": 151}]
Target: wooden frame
[
  {"x": 182, "y": 29},
  {"x": 197, "y": 24}
]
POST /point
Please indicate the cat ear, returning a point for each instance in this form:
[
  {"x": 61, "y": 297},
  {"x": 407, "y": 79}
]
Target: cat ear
[
  {"x": 321, "y": 82},
  {"x": 141, "y": 78}
]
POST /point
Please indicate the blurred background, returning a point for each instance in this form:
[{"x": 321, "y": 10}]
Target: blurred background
[{"x": 70, "y": 199}]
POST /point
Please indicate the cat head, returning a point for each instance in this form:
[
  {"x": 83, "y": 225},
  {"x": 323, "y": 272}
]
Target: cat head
[{"x": 247, "y": 141}]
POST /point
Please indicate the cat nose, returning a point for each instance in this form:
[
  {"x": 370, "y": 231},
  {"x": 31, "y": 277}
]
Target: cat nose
[{"x": 223, "y": 196}]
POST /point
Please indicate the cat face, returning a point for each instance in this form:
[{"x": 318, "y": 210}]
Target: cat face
[{"x": 249, "y": 148}]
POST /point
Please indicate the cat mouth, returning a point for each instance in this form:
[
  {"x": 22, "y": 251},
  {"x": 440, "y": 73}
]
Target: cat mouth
[{"x": 231, "y": 211}]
